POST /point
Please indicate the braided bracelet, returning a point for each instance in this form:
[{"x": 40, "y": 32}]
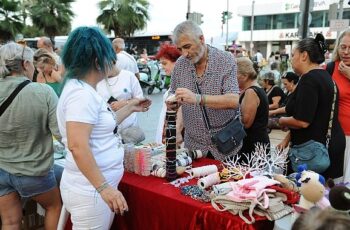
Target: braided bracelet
[{"x": 102, "y": 187}]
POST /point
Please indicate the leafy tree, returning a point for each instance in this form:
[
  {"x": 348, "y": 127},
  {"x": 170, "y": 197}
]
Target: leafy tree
[
  {"x": 123, "y": 17},
  {"x": 10, "y": 19},
  {"x": 52, "y": 16},
  {"x": 31, "y": 31}
]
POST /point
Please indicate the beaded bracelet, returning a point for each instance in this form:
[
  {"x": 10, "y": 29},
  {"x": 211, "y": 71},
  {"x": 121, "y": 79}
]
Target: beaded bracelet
[
  {"x": 102, "y": 187},
  {"x": 198, "y": 99}
]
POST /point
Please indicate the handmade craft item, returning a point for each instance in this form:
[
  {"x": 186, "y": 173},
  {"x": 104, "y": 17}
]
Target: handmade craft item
[
  {"x": 129, "y": 154},
  {"x": 142, "y": 161},
  {"x": 170, "y": 143},
  {"x": 203, "y": 171},
  {"x": 209, "y": 180}
]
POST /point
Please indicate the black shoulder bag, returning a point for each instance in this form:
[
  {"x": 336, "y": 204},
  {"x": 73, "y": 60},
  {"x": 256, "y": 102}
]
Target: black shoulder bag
[
  {"x": 229, "y": 138},
  {"x": 9, "y": 100}
]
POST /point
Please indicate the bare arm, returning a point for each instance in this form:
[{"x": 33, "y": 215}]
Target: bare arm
[
  {"x": 275, "y": 102},
  {"x": 291, "y": 122},
  {"x": 281, "y": 110},
  {"x": 78, "y": 135},
  {"x": 285, "y": 142},
  {"x": 249, "y": 107},
  {"x": 133, "y": 105}
]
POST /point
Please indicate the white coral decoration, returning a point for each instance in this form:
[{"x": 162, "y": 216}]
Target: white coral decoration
[{"x": 261, "y": 161}]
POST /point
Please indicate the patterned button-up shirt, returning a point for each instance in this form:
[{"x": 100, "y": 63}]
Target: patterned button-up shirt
[{"x": 219, "y": 78}]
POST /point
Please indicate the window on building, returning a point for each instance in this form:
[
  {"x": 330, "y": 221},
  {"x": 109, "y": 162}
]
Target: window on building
[
  {"x": 326, "y": 23},
  {"x": 262, "y": 22},
  {"x": 346, "y": 14},
  {"x": 283, "y": 21},
  {"x": 246, "y": 23},
  {"x": 317, "y": 18}
]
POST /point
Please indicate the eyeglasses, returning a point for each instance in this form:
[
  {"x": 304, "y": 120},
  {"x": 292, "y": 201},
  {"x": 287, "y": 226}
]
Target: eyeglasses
[
  {"x": 24, "y": 48},
  {"x": 22, "y": 58},
  {"x": 344, "y": 48}
]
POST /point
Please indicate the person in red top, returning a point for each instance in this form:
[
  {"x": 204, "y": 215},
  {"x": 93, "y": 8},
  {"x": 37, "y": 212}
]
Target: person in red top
[{"x": 340, "y": 69}]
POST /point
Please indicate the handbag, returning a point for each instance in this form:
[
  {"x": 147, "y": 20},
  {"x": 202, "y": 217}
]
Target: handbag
[
  {"x": 230, "y": 137},
  {"x": 312, "y": 153},
  {"x": 132, "y": 134}
]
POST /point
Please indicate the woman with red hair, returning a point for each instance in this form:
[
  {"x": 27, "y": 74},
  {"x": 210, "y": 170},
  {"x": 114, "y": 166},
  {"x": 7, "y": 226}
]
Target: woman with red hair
[{"x": 167, "y": 55}]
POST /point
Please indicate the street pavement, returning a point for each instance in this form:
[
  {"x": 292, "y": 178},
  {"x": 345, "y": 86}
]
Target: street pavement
[{"x": 148, "y": 121}]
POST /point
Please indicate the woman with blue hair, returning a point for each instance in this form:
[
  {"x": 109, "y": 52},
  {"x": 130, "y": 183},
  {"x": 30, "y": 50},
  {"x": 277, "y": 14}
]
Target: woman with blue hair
[{"x": 94, "y": 162}]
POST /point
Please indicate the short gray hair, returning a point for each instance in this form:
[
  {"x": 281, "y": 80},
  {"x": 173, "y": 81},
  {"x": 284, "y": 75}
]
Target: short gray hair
[
  {"x": 11, "y": 57},
  {"x": 47, "y": 42},
  {"x": 188, "y": 28},
  {"x": 336, "y": 56},
  {"x": 119, "y": 43}
]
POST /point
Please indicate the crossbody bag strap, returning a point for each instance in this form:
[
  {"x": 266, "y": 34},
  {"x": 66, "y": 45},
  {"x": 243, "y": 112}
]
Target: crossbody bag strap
[
  {"x": 202, "y": 108},
  {"x": 270, "y": 90},
  {"x": 329, "y": 131},
  {"x": 9, "y": 100}
]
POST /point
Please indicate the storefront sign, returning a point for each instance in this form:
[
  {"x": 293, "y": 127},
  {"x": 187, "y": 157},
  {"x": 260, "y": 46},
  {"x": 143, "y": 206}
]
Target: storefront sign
[
  {"x": 339, "y": 24},
  {"x": 295, "y": 35},
  {"x": 317, "y": 5}
]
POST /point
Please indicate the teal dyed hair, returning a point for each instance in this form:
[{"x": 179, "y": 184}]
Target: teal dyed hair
[{"x": 86, "y": 47}]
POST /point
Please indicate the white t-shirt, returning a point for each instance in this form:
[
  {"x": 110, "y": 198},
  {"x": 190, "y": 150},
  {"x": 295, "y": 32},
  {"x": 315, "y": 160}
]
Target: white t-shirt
[
  {"x": 161, "y": 121},
  {"x": 125, "y": 86},
  {"x": 127, "y": 62},
  {"x": 259, "y": 57},
  {"x": 81, "y": 103}
]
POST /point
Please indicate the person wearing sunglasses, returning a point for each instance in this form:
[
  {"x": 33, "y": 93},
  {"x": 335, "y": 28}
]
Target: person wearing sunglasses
[{"x": 26, "y": 149}]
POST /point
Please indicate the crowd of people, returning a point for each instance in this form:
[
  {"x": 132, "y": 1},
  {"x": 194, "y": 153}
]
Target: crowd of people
[{"x": 89, "y": 104}]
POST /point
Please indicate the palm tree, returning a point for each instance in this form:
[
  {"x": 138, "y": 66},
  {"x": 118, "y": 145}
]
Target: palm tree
[
  {"x": 123, "y": 17},
  {"x": 10, "y": 18},
  {"x": 52, "y": 16}
]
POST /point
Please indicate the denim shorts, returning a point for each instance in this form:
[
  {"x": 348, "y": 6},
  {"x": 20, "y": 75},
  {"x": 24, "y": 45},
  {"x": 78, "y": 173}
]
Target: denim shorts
[{"x": 26, "y": 186}]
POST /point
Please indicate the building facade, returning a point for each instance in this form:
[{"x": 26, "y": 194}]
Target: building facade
[{"x": 276, "y": 24}]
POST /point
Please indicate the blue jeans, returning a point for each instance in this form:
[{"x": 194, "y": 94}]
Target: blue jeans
[{"x": 26, "y": 186}]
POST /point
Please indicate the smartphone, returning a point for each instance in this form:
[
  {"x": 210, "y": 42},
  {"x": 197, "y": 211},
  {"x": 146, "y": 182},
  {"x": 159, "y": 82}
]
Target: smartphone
[{"x": 111, "y": 99}]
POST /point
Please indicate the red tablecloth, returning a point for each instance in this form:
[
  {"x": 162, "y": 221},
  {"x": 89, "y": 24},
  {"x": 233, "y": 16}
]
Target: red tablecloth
[{"x": 155, "y": 204}]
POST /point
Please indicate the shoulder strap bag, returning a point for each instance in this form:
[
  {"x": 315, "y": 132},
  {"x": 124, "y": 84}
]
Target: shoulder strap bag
[
  {"x": 9, "y": 100},
  {"x": 329, "y": 131},
  {"x": 313, "y": 153},
  {"x": 230, "y": 137}
]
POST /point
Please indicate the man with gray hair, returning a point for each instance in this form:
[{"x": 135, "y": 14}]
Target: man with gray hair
[
  {"x": 215, "y": 72},
  {"x": 124, "y": 60},
  {"x": 46, "y": 43}
]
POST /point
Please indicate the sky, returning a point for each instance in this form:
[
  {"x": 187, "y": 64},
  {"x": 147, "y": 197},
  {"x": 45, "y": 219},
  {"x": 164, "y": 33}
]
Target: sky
[{"x": 166, "y": 14}]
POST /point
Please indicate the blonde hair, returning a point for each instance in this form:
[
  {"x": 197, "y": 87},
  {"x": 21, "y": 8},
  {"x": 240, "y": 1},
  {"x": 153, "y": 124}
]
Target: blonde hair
[
  {"x": 245, "y": 67},
  {"x": 336, "y": 56},
  {"x": 42, "y": 56}
]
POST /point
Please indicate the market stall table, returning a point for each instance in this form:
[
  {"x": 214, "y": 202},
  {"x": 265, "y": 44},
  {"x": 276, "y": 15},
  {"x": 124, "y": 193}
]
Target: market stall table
[{"x": 156, "y": 204}]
